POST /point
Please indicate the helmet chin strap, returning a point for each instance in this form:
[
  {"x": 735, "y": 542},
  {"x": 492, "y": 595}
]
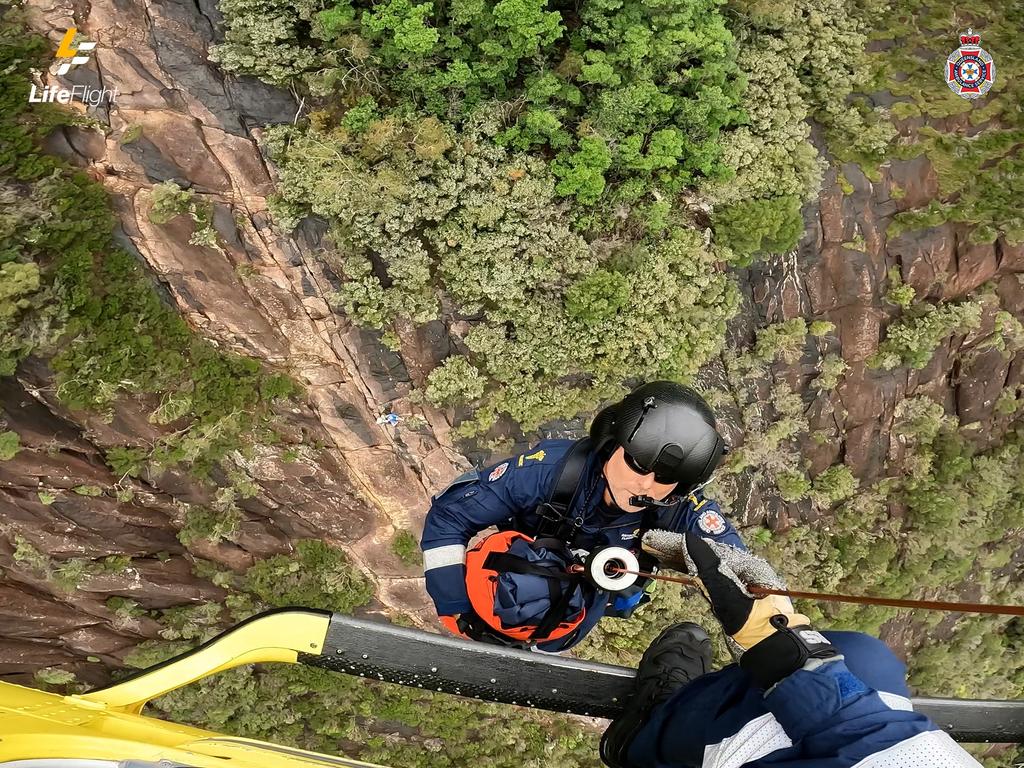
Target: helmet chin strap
[{"x": 701, "y": 485}]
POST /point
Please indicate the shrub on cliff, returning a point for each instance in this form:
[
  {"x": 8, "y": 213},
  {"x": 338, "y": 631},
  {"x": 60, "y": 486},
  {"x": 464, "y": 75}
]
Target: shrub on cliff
[
  {"x": 832, "y": 369},
  {"x": 913, "y": 338},
  {"x": 211, "y": 525},
  {"x": 899, "y": 293},
  {"x": 769, "y": 428},
  {"x": 760, "y": 226},
  {"x": 9, "y": 445},
  {"x": 597, "y": 297},
  {"x": 835, "y": 484},
  {"x": 455, "y": 381},
  {"x": 793, "y": 486},
  {"x": 267, "y": 38},
  {"x": 20, "y": 293},
  {"x": 317, "y": 576},
  {"x": 406, "y": 546},
  {"x": 784, "y": 340}
]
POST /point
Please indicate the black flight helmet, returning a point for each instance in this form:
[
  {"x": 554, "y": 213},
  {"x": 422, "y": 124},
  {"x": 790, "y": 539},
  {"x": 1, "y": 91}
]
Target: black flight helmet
[{"x": 665, "y": 428}]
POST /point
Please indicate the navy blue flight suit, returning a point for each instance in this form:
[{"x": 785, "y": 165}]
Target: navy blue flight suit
[
  {"x": 853, "y": 710},
  {"x": 508, "y": 494}
]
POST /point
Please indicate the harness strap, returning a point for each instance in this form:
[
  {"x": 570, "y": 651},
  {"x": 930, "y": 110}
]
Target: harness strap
[
  {"x": 556, "y": 613},
  {"x": 506, "y": 563},
  {"x": 559, "y": 596},
  {"x": 554, "y": 510}
]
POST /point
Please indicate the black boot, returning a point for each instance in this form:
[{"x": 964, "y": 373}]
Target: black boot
[{"x": 680, "y": 654}]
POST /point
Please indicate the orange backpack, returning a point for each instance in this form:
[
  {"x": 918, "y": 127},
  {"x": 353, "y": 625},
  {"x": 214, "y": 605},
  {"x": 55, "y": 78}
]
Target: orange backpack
[{"x": 489, "y": 558}]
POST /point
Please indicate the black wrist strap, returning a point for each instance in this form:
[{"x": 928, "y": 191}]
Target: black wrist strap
[{"x": 784, "y": 652}]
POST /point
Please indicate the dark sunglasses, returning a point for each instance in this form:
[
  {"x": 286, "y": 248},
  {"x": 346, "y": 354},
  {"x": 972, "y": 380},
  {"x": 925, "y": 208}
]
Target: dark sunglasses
[{"x": 658, "y": 477}]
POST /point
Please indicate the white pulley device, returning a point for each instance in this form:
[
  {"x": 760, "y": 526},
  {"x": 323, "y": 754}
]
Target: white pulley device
[{"x": 602, "y": 568}]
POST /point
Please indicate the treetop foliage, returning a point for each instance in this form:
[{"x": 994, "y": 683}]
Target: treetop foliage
[
  {"x": 475, "y": 224},
  {"x": 627, "y": 91},
  {"x": 459, "y": 147}
]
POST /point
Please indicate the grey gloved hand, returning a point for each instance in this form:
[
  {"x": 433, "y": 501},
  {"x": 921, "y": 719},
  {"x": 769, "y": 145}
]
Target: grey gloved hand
[
  {"x": 770, "y": 637},
  {"x": 725, "y": 572}
]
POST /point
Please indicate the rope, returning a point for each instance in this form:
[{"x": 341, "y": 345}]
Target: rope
[{"x": 933, "y": 605}]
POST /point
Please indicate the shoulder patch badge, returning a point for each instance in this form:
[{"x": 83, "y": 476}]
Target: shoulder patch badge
[
  {"x": 711, "y": 522},
  {"x": 497, "y": 472}
]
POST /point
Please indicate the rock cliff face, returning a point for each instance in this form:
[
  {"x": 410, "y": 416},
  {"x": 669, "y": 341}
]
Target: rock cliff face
[
  {"x": 839, "y": 274},
  {"x": 178, "y": 117}
]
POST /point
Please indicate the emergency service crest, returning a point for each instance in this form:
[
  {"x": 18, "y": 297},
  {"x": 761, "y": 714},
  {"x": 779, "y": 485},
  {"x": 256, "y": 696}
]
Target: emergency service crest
[
  {"x": 711, "y": 522},
  {"x": 970, "y": 70}
]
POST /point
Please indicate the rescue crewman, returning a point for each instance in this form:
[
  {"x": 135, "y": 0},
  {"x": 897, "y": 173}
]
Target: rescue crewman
[
  {"x": 797, "y": 698},
  {"x": 642, "y": 466}
]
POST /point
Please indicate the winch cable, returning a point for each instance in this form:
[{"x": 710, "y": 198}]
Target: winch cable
[{"x": 935, "y": 605}]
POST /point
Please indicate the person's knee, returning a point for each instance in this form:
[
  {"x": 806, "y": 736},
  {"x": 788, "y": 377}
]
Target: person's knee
[
  {"x": 857, "y": 645},
  {"x": 872, "y": 661}
]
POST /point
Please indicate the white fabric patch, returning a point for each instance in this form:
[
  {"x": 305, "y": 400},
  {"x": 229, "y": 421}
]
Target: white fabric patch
[
  {"x": 439, "y": 557},
  {"x": 764, "y": 735},
  {"x": 895, "y": 701},
  {"x": 931, "y": 749},
  {"x": 761, "y": 736},
  {"x": 497, "y": 472}
]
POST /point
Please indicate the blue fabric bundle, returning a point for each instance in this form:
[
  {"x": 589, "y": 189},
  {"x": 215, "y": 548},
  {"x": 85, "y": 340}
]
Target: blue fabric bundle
[{"x": 523, "y": 599}]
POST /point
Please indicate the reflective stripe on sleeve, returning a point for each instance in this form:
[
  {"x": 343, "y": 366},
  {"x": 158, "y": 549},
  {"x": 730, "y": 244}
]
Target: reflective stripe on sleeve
[
  {"x": 439, "y": 557},
  {"x": 895, "y": 701}
]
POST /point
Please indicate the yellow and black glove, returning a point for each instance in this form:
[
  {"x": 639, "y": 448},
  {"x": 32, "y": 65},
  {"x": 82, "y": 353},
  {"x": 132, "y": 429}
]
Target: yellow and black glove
[{"x": 772, "y": 638}]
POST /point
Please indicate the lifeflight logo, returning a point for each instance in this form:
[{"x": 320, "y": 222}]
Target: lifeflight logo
[{"x": 70, "y": 53}]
